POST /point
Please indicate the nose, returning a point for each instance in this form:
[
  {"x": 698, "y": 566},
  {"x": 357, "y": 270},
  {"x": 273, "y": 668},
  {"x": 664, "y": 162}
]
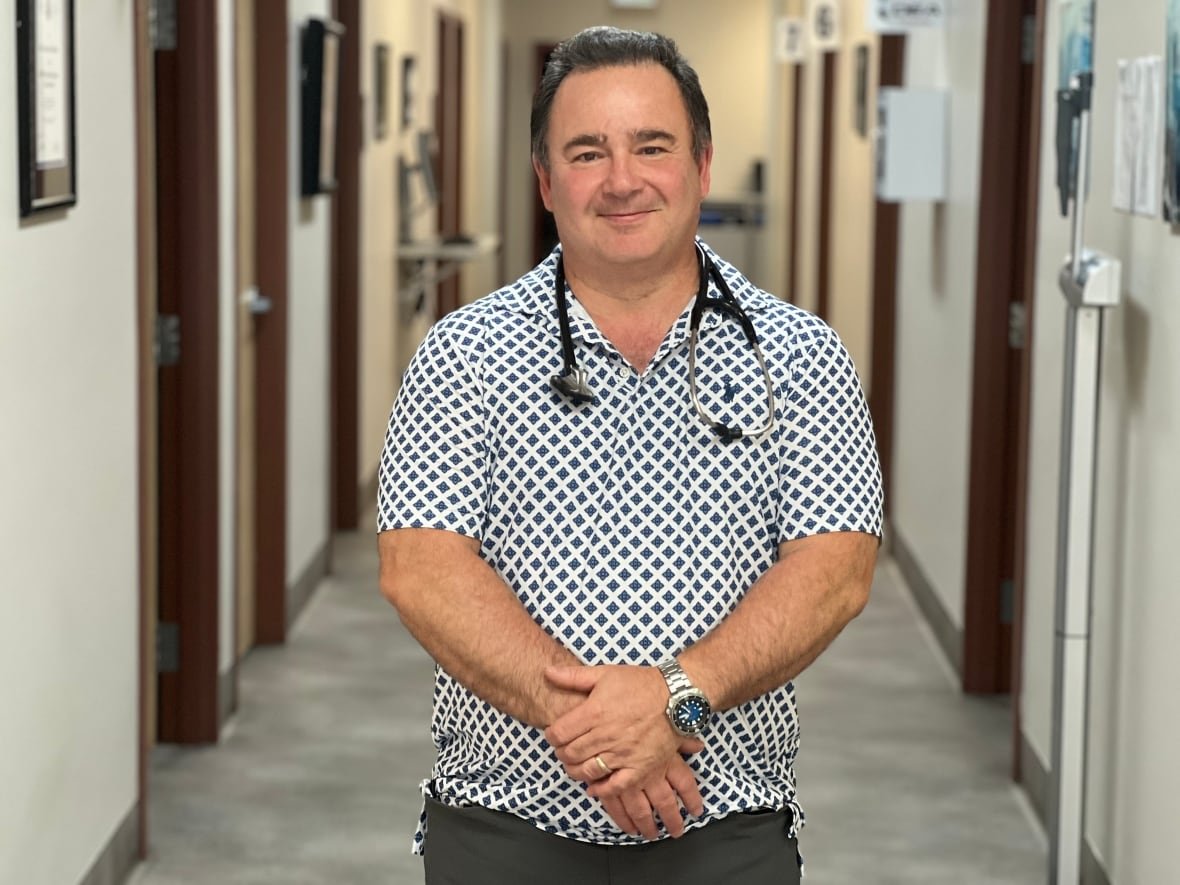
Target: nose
[{"x": 621, "y": 178}]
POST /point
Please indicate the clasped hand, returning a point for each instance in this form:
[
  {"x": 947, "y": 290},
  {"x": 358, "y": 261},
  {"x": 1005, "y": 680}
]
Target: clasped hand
[{"x": 643, "y": 775}]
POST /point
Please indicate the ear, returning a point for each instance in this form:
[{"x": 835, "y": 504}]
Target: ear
[
  {"x": 543, "y": 182},
  {"x": 705, "y": 169}
]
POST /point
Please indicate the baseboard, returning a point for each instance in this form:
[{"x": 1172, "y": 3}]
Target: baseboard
[
  {"x": 299, "y": 592},
  {"x": 949, "y": 637},
  {"x": 119, "y": 856},
  {"x": 1035, "y": 782}
]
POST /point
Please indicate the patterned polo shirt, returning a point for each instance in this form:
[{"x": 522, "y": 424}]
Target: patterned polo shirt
[{"x": 625, "y": 526}]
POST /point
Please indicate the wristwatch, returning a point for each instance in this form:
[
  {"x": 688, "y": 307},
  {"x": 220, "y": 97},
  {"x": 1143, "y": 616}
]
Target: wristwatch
[{"x": 688, "y": 709}]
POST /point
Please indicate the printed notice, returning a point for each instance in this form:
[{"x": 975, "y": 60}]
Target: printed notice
[{"x": 51, "y": 77}]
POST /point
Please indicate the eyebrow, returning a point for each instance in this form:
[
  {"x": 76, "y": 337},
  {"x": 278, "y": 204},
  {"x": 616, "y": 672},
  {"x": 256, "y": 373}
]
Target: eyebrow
[{"x": 593, "y": 139}]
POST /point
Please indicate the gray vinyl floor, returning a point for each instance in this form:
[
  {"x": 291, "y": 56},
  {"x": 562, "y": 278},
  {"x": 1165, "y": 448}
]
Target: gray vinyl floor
[{"x": 904, "y": 780}]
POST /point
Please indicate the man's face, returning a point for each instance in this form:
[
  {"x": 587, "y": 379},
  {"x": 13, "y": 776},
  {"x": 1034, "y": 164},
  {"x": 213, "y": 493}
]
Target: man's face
[{"x": 622, "y": 183}]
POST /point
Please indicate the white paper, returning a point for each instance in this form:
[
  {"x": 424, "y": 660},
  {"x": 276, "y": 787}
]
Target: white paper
[
  {"x": 790, "y": 40},
  {"x": 1138, "y": 129},
  {"x": 50, "y": 79},
  {"x": 824, "y": 16},
  {"x": 899, "y": 16}
]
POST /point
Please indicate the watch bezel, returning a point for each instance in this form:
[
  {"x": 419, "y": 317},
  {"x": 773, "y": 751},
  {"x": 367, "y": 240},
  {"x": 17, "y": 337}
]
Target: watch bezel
[{"x": 681, "y": 698}]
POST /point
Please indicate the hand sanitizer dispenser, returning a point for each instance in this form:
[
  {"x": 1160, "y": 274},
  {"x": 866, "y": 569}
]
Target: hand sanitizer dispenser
[{"x": 911, "y": 144}]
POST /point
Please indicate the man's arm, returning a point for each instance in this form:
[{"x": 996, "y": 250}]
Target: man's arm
[
  {"x": 470, "y": 622},
  {"x": 788, "y": 617}
]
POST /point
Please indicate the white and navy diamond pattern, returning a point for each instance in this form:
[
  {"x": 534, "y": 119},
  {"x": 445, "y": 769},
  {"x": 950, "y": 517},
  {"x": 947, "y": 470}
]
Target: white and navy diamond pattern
[{"x": 625, "y": 526}]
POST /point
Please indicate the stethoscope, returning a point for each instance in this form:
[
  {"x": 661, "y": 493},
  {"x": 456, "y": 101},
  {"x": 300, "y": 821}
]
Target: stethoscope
[{"x": 572, "y": 382}]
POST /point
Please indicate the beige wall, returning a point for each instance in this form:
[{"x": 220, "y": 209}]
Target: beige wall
[
  {"x": 936, "y": 316},
  {"x": 1133, "y": 800},
  {"x": 69, "y": 591}
]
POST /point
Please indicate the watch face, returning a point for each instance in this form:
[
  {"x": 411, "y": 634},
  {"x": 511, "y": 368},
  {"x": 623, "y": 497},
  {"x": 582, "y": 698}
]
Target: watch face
[{"x": 690, "y": 714}]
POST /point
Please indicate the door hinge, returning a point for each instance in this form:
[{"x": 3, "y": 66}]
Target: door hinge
[
  {"x": 167, "y": 647},
  {"x": 162, "y": 23},
  {"x": 1007, "y": 601},
  {"x": 1028, "y": 39},
  {"x": 167, "y": 341},
  {"x": 1017, "y": 325}
]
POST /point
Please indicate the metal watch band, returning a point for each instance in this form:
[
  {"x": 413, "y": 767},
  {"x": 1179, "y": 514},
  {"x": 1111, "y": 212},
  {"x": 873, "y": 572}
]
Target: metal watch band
[{"x": 675, "y": 676}]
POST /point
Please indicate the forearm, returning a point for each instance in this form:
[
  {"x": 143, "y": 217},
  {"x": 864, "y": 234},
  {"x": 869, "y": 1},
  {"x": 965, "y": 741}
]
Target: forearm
[
  {"x": 472, "y": 624},
  {"x": 790, "y": 615}
]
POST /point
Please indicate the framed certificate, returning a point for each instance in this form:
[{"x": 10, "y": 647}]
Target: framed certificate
[{"x": 45, "y": 104}]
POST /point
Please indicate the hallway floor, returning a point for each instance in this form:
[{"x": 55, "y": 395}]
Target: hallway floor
[{"x": 904, "y": 780}]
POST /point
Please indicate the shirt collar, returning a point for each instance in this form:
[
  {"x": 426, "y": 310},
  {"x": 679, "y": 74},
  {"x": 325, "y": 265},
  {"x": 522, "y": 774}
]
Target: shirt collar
[{"x": 532, "y": 295}]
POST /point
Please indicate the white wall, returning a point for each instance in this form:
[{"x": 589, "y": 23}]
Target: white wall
[
  {"x": 69, "y": 589},
  {"x": 1133, "y": 800},
  {"x": 309, "y": 325},
  {"x": 936, "y": 315}
]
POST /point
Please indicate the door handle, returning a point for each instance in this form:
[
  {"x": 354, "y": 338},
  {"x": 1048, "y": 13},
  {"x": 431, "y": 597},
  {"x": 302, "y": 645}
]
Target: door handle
[{"x": 256, "y": 302}]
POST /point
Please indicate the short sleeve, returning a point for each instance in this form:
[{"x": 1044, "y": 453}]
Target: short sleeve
[
  {"x": 830, "y": 472},
  {"x": 433, "y": 470}
]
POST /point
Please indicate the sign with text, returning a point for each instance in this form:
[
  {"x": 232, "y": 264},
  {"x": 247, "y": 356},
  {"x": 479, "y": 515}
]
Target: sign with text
[
  {"x": 824, "y": 19},
  {"x": 790, "y": 40},
  {"x": 898, "y": 16}
]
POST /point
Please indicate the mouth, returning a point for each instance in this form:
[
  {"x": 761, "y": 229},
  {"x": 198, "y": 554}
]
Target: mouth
[{"x": 624, "y": 217}]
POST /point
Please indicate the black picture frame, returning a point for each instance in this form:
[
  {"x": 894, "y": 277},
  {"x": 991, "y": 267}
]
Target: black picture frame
[
  {"x": 46, "y": 133},
  {"x": 381, "y": 56},
  {"x": 409, "y": 91},
  {"x": 319, "y": 103}
]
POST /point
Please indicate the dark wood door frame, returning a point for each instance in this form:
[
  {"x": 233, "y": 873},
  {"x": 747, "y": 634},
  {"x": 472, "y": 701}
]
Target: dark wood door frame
[
  {"x": 827, "y": 166},
  {"x": 1020, "y": 525},
  {"x": 798, "y": 79},
  {"x": 187, "y": 224},
  {"x": 886, "y": 242},
  {"x": 345, "y": 276},
  {"x": 448, "y": 127},
  {"x": 999, "y": 439},
  {"x": 272, "y": 190}
]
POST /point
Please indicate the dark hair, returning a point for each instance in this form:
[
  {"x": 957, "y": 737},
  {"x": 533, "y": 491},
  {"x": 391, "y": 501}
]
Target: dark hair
[{"x": 604, "y": 47}]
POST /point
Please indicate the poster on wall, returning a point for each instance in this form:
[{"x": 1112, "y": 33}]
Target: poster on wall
[
  {"x": 1076, "y": 48},
  {"x": 899, "y": 16},
  {"x": 1172, "y": 116}
]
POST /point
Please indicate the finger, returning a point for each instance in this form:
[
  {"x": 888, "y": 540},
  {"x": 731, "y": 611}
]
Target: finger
[
  {"x": 581, "y": 679},
  {"x": 595, "y": 769},
  {"x": 582, "y": 749},
  {"x": 663, "y": 803},
  {"x": 569, "y": 727},
  {"x": 619, "y": 815},
  {"x": 683, "y": 781},
  {"x": 689, "y": 746},
  {"x": 635, "y": 801}
]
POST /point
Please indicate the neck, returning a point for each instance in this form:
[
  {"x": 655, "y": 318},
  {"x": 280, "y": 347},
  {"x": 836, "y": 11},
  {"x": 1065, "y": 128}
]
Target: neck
[{"x": 635, "y": 292}]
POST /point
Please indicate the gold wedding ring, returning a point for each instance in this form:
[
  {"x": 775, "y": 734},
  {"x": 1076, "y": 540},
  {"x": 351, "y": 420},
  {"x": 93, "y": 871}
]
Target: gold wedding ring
[{"x": 606, "y": 769}]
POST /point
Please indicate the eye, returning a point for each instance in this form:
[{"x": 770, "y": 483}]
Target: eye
[
  {"x": 652, "y": 150},
  {"x": 586, "y": 157}
]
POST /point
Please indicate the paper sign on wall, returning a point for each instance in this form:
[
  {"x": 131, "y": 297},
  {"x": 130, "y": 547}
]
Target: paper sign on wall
[
  {"x": 790, "y": 40},
  {"x": 1138, "y": 133},
  {"x": 898, "y": 16},
  {"x": 824, "y": 19}
]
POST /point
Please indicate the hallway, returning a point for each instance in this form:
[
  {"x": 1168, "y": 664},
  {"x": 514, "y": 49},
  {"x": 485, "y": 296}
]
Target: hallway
[{"x": 904, "y": 779}]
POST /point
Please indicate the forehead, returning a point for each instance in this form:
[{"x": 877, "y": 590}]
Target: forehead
[{"x": 643, "y": 95}]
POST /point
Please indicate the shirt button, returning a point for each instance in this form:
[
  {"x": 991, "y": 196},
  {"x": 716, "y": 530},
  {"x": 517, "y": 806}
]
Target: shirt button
[{"x": 624, "y": 372}]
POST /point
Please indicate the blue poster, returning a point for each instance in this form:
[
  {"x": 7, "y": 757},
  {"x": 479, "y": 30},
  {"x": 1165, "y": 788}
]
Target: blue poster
[
  {"x": 1076, "y": 50},
  {"x": 1172, "y": 116}
]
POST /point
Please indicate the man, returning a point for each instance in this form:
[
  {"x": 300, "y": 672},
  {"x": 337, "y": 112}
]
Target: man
[{"x": 623, "y": 502}]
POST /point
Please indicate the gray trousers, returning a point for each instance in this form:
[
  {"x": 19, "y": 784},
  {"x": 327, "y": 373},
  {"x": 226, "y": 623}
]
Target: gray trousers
[{"x": 475, "y": 846}]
